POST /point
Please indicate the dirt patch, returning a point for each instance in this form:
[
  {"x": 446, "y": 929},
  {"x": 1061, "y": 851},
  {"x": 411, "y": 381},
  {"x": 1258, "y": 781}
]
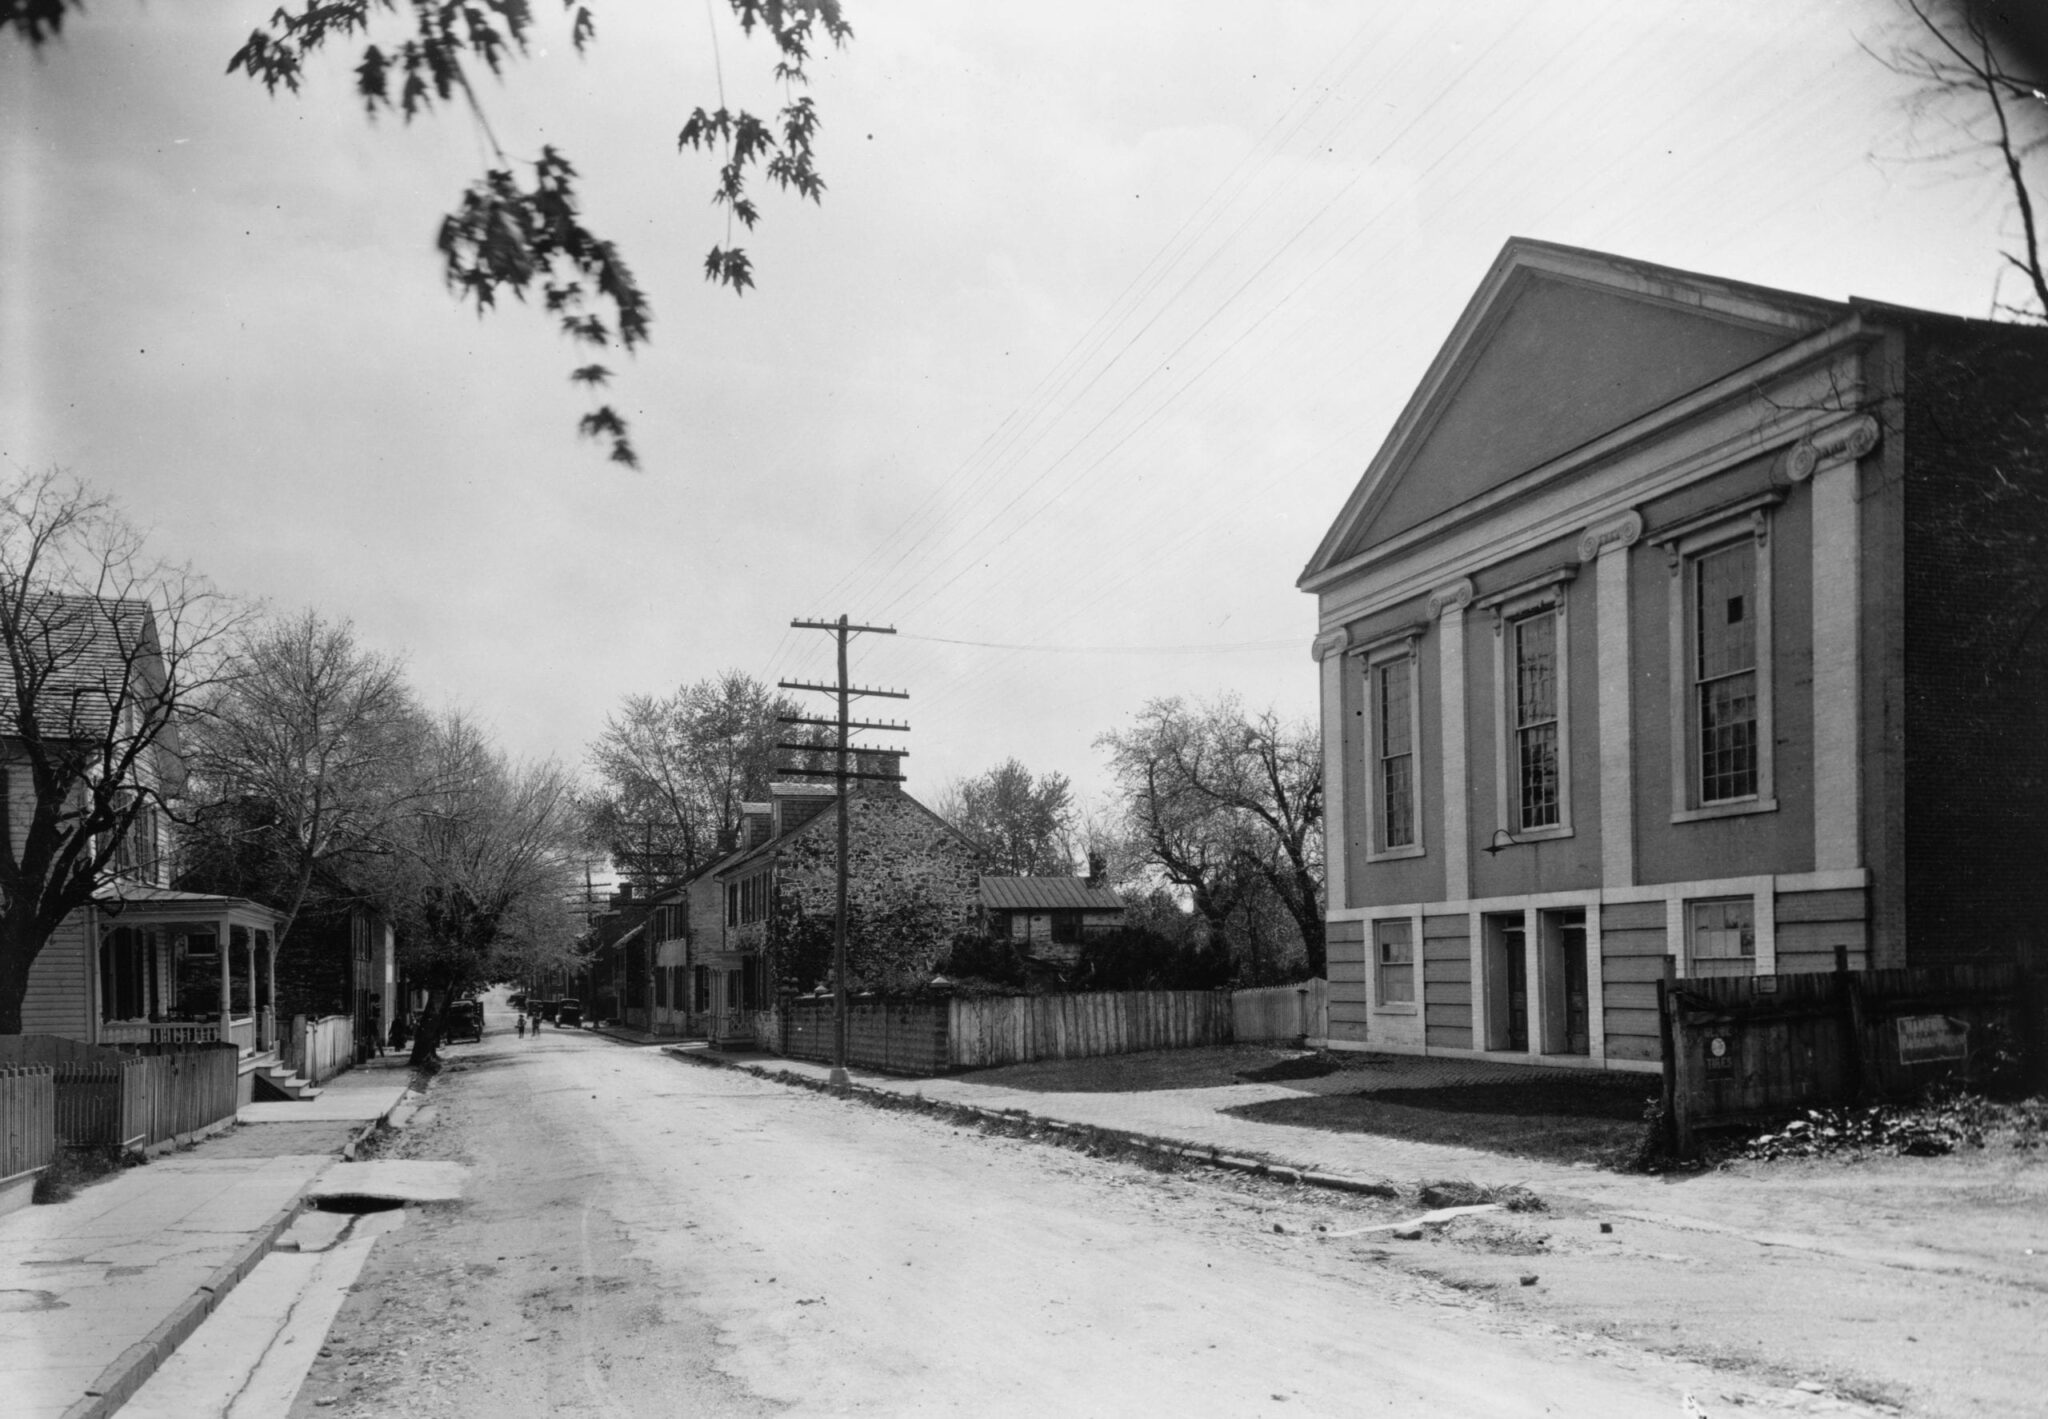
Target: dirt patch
[
  {"x": 75, "y": 1168},
  {"x": 1597, "y": 1120}
]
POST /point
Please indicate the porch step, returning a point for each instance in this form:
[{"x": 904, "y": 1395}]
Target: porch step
[{"x": 279, "y": 1080}]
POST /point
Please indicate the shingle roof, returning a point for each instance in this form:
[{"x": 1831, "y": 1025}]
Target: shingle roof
[
  {"x": 81, "y": 655},
  {"x": 1047, "y": 894}
]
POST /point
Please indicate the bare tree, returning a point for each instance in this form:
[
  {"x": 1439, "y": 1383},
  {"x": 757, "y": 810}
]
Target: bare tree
[
  {"x": 484, "y": 853},
  {"x": 307, "y": 755},
  {"x": 1980, "y": 70},
  {"x": 1228, "y": 805},
  {"x": 674, "y": 770},
  {"x": 103, "y": 650}
]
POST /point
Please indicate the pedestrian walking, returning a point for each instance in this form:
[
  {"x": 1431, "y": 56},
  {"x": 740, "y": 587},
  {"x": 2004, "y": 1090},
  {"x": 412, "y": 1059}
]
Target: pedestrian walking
[{"x": 522, "y": 1025}]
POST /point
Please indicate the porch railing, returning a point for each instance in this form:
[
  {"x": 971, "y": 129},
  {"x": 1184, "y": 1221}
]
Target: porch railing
[
  {"x": 242, "y": 1034},
  {"x": 158, "y": 1032}
]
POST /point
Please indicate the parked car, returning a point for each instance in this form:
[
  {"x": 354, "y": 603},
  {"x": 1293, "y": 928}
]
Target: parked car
[
  {"x": 465, "y": 1021},
  {"x": 546, "y": 1009},
  {"x": 517, "y": 1000},
  {"x": 569, "y": 1013}
]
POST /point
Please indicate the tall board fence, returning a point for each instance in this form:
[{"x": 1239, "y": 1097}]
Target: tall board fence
[
  {"x": 932, "y": 1035},
  {"x": 1281, "y": 1012},
  {"x": 135, "y": 1098},
  {"x": 1014, "y": 1029},
  {"x": 28, "y": 1119},
  {"x": 1744, "y": 1049}
]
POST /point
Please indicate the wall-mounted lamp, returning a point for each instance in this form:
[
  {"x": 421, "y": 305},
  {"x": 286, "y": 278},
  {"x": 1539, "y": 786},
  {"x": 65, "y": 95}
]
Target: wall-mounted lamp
[{"x": 1493, "y": 848}]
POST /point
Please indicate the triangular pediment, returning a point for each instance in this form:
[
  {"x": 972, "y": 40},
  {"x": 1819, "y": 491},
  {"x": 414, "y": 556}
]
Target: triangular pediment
[{"x": 1556, "y": 349}]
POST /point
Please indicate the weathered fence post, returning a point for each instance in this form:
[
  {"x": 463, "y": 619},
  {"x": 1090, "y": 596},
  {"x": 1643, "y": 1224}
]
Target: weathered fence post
[
  {"x": 1849, "y": 998},
  {"x": 1677, "y": 1087}
]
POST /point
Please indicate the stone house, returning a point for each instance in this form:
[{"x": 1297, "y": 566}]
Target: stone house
[
  {"x": 733, "y": 935},
  {"x": 1685, "y": 626}
]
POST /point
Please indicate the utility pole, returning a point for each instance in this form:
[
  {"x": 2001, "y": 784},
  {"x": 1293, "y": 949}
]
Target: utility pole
[{"x": 842, "y": 631}]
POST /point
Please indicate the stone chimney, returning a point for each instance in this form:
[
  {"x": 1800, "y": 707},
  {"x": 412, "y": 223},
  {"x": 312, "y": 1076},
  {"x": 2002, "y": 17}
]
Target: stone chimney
[{"x": 1098, "y": 869}]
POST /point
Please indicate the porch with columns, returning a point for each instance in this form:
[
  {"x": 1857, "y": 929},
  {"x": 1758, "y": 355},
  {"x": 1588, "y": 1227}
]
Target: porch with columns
[{"x": 154, "y": 945}]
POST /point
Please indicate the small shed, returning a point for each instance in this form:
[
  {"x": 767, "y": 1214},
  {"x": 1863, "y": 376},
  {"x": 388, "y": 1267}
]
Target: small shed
[{"x": 1048, "y": 911}]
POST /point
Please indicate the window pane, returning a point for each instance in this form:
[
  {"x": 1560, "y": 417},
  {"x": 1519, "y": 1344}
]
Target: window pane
[
  {"x": 1536, "y": 669},
  {"x": 1395, "y": 728},
  {"x": 1536, "y": 753},
  {"x": 1396, "y": 962},
  {"x": 1724, "y": 672},
  {"x": 1396, "y": 752},
  {"x": 1723, "y": 937},
  {"x": 1397, "y": 792},
  {"x": 1724, "y": 595},
  {"x": 1534, "y": 715}
]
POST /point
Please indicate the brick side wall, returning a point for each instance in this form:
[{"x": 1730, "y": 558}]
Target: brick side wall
[{"x": 1975, "y": 421}]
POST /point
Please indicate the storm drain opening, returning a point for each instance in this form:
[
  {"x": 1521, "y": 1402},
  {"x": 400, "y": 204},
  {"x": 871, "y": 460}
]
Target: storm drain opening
[{"x": 356, "y": 1203}]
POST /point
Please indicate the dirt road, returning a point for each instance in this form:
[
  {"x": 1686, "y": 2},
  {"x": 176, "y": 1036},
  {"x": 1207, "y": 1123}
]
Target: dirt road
[{"x": 647, "y": 1237}]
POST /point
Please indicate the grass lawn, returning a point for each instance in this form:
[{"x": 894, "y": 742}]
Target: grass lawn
[
  {"x": 1577, "y": 1118},
  {"x": 1567, "y": 1116}
]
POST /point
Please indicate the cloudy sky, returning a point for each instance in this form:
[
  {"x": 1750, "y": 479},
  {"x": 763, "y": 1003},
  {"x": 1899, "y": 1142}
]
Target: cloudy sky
[{"x": 1105, "y": 310}]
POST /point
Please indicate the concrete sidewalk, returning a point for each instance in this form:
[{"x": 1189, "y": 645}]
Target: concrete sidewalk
[
  {"x": 367, "y": 1092},
  {"x": 96, "y": 1292}
]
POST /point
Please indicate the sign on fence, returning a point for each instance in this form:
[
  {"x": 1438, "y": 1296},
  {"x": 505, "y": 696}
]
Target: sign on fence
[{"x": 1923, "y": 1039}]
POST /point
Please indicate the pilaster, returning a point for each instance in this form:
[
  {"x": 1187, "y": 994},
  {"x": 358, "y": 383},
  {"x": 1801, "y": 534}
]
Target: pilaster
[{"x": 1607, "y": 545}]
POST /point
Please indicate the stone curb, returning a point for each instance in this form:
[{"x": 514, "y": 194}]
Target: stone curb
[
  {"x": 1172, "y": 1147},
  {"x": 362, "y": 1135},
  {"x": 119, "y": 1381}
]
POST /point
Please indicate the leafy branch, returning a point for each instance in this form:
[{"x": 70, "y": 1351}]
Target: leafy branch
[{"x": 506, "y": 232}]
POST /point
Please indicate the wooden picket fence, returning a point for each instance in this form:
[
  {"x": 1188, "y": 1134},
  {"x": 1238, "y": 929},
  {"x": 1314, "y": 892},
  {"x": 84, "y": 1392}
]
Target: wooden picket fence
[
  {"x": 28, "y": 1118},
  {"x": 318, "y": 1048},
  {"x": 130, "y": 1098},
  {"x": 1743, "y": 1049}
]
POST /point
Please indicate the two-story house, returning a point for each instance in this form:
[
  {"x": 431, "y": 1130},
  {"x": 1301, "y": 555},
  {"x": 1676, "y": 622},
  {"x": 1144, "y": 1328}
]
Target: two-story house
[
  {"x": 724, "y": 937},
  {"x": 142, "y": 963},
  {"x": 1684, "y": 626}
]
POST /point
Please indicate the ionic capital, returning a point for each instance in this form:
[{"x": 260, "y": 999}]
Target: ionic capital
[
  {"x": 1448, "y": 599},
  {"x": 1614, "y": 535},
  {"x": 1837, "y": 443}
]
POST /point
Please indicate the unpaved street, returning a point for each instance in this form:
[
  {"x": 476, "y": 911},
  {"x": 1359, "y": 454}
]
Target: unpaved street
[{"x": 643, "y": 1236}]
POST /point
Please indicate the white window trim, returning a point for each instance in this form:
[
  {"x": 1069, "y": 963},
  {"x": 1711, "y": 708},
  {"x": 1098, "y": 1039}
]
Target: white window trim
[
  {"x": 1763, "y": 895},
  {"x": 1372, "y": 957},
  {"x": 1406, "y": 647},
  {"x": 1551, "y": 596},
  {"x": 1682, "y": 546}
]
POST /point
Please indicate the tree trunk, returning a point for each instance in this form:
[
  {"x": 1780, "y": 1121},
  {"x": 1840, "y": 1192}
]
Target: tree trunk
[
  {"x": 21, "y": 941},
  {"x": 426, "y": 1040}
]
